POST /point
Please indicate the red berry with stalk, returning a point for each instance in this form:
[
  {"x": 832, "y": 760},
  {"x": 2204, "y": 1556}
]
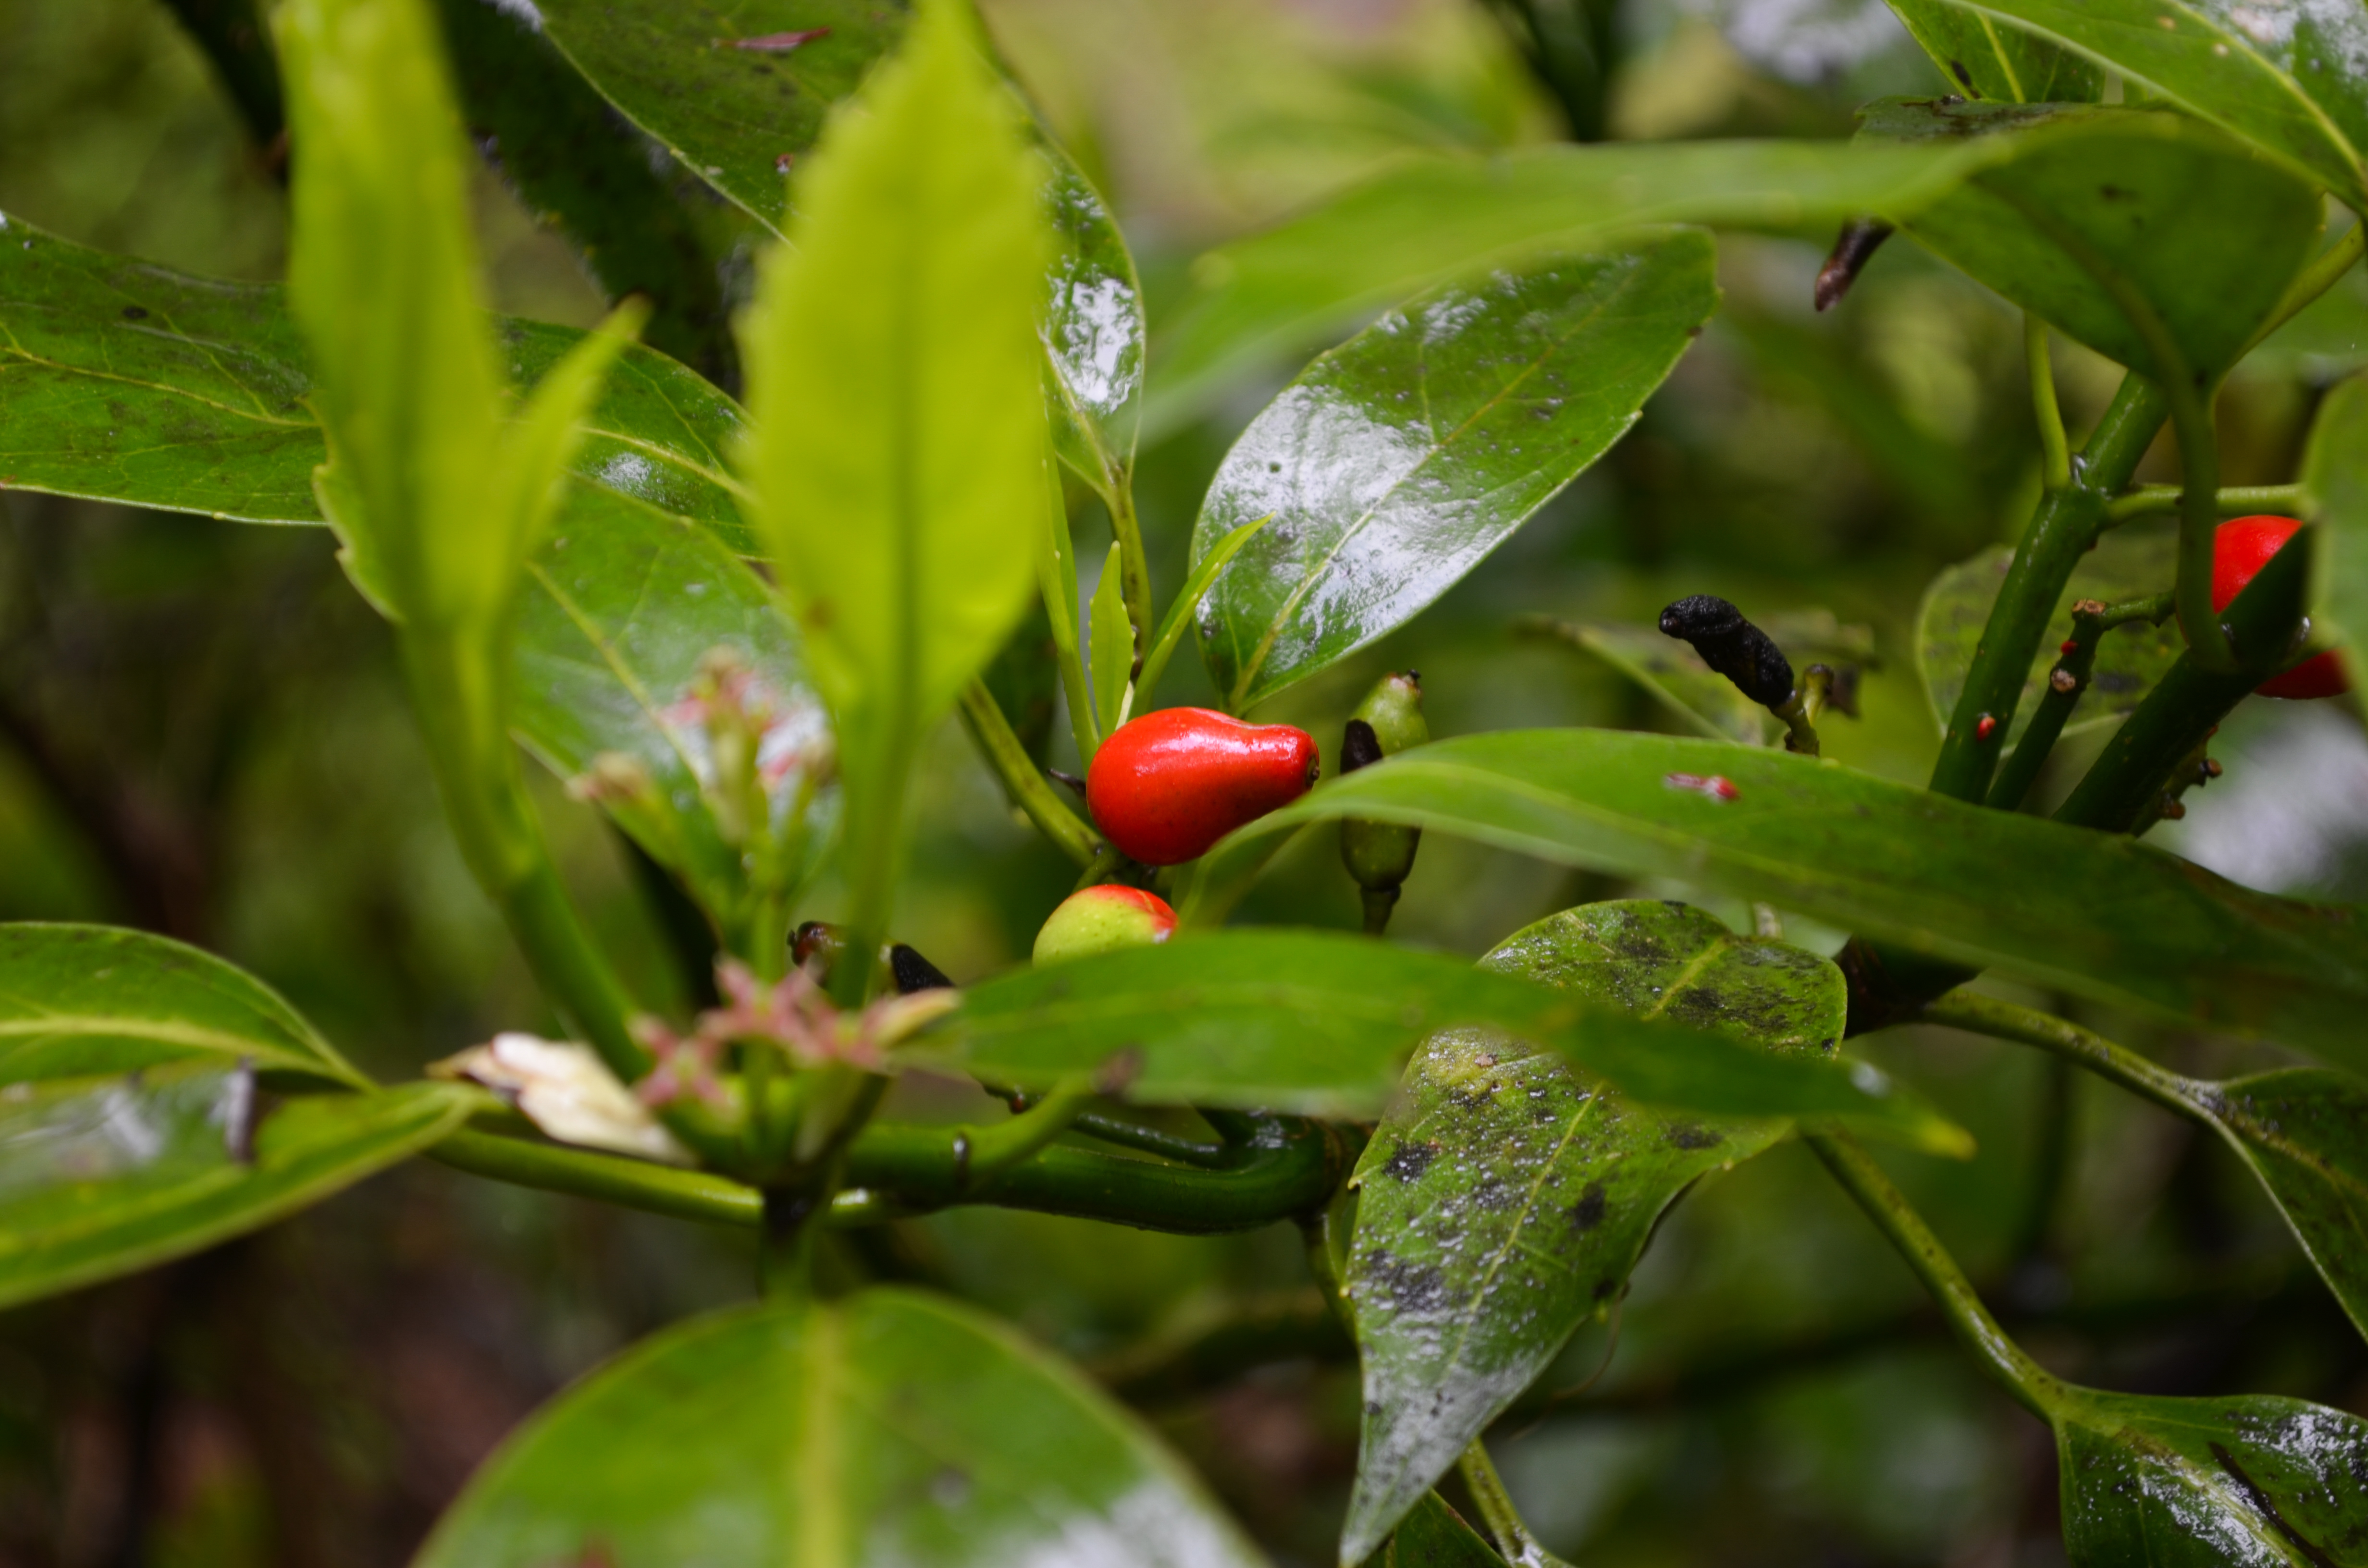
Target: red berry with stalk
[
  {"x": 1104, "y": 919},
  {"x": 2241, "y": 548},
  {"x": 1167, "y": 786}
]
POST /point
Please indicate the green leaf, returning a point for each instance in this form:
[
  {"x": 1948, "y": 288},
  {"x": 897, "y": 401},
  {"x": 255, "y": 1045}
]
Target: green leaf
[
  {"x": 619, "y": 608},
  {"x": 1986, "y": 59},
  {"x": 1093, "y": 332},
  {"x": 2287, "y": 78},
  {"x": 1502, "y": 1202},
  {"x": 2072, "y": 227},
  {"x": 2127, "y": 563},
  {"x": 2304, "y": 1131},
  {"x": 898, "y": 439},
  {"x": 889, "y": 1427},
  {"x": 577, "y": 166},
  {"x": 1434, "y": 1536},
  {"x": 1110, "y": 639},
  {"x": 101, "y": 1179},
  {"x": 1397, "y": 462},
  {"x": 1704, "y": 701},
  {"x": 2335, "y": 477},
  {"x": 2095, "y": 914},
  {"x": 1428, "y": 224},
  {"x": 2173, "y": 1483},
  {"x": 1320, "y": 1023},
  {"x": 126, "y": 381},
  {"x": 83, "y": 1001},
  {"x": 740, "y": 117}
]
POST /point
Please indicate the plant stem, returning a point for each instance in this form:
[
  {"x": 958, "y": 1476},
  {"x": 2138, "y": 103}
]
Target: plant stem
[
  {"x": 1504, "y": 1521},
  {"x": 2198, "y": 522},
  {"x": 1379, "y": 904},
  {"x": 893, "y": 1170},
  {"x": 2324, "y": 272},
  {"x": 2055, "y": 448},
  {"x": 991, "y": 733},
  {"x": 2067, "y": 683},
  {"x": 2232, "y": 501},
  {"x": 1134, "y": 567},
  {"x": 1056, "y": 583},
  {"x": 2031, "y": 1386},
  {"x": 2259, "y": 626},
  {"x": 1104, "y": 1127},
  {"x": 1977, "y": 1014},
  {"x": 2061, "y": 531}
]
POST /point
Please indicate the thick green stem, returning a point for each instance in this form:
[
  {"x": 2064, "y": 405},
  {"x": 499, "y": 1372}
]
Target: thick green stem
[
  {"x": 1108, "y": 1127},
  {"x": 2055, "y": 448},
  {"x": 1379, "y": 904},
  {"x": 2061, "y": 531},
  {"x": 983, "y": 716},
  {"x": 2066, "y": 684},
  {"x": 2031, "y": 1386},
  {"x": 2231, "y": 501},
  {"x": 1504, "y": 1521},
  {"x": 891, "y": 1170},
  {"x": 2199, "y": 523},
  {"x": 2261, "y": 627}
]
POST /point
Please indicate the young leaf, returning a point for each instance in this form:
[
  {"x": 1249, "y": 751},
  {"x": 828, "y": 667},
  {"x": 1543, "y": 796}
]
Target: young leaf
[
  {"x": 84, "y": 1001},
  {"x": 2287, "y": 78},
  {"x": 1320, "y": 1023},
  {"x": 1093, "y": 332},
  {"x": 1397, "y": 462},
  {"x": 2174, "y": 1482},
  {"x": 2096, "y": 914},
  {"x": 620, "y": 608},
  {"x": 2334, "y": 476},
  {"x": 898, "y": 423},
  {"x": 127, "y": 382},
  {"x": 2127, "y": 563},
  {"x": 1502, "y": 1202},
  {"x": 1112, "y": 638},
  {"x": 1424, "y": 225},
  {"x": 2071, "y": 227},
  {"x": 1434, "y": 1536},
  {"x": 106, "y": 1178},
  {"x": 885, "y": 1429},
  {"x": 1984, "y": 58}
]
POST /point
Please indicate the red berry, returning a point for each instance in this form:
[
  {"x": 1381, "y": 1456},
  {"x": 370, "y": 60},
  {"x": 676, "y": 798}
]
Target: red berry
[
  {"x": 1985, "y": 727},
  {"x": 1104, "y": 919},
  {"x": 1168, "y": 785},
  {"x": 2241, "y": 548}
]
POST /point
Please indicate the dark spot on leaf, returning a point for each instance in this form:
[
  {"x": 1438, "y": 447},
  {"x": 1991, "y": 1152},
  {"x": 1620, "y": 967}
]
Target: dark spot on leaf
[
  {"x": 2115, "y": 193},
  {"x": 1689, "y": 1135},
  {"x": 1964, "y": 77},
  {"x": 136, "y": 312},
  {"x": 1412, "y": 1287},
  {"x": 1408, "y": 1161},
  {"x": 1587, "y": 1213}
]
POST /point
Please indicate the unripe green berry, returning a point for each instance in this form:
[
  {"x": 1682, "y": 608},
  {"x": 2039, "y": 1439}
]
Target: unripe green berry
[
  {"x": 1104, "y": 919},
  {"x": 1381, "y": 855}
]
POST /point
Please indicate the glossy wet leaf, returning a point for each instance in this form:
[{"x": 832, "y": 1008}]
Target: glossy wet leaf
[
  {"x": 2127, "y": 563},
  {"x": 2334, "y": 474},
  {"x": 1434, "y": 1536},
  {"x": 2252, "y": 1479},
  {"x": 1502, "y": 1202},
  {"x": 127, "y": 382},
  {"x": 619, "y": 608},
  {"x": 1398, "y": 461},
  {"x": 2095, "y": 914},
  {"x": 1320, "y": 1023},
  {"x": 2288, "y": 78},
  {"x": 1424, "y": 225},
  {"x": 898, "y": 439},
  {"x": 103, "y": 1177},
  {"x": 888, "y": 1429},
  {"x": 741, "y": 115},
  {"x": 1984, "y": 58},
  {"x": 2072, "y": 228},
  {"x": 80, "y": 1001},
  {"x": 1705, "y": 702}
]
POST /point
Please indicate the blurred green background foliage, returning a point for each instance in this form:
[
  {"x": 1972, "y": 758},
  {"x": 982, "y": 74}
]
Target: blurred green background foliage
[{"x": 202, "y": 733}]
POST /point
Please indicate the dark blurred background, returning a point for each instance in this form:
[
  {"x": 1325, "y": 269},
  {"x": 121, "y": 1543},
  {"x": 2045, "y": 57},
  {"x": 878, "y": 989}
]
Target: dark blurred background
[{"x": 202, "y": 733}]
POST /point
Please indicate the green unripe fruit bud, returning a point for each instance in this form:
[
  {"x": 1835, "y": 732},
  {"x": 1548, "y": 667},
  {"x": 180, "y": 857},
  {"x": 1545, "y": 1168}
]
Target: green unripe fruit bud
[
  {"x": 1102, "y": 920},
  {"x": 1379, "y": 855}
]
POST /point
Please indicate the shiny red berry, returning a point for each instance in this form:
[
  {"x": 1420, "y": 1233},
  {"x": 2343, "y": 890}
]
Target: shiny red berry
[
  {"x": 2241, "y": 548},
  {"x": 1985, "y": 727},
  {"x": 1167, "y": 786}
]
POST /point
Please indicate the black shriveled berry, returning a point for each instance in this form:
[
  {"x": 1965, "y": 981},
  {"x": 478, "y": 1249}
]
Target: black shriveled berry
[{"x": 1732, "y": 646}]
